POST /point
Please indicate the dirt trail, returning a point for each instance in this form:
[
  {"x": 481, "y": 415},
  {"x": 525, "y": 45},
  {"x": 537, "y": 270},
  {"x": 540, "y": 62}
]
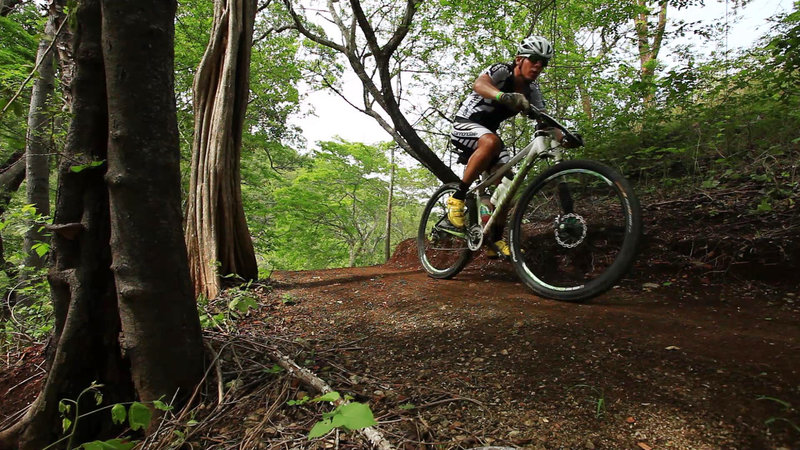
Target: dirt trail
[{"x": 669, "y": 365}]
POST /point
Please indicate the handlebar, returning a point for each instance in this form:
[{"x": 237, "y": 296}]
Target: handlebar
[{"x": 545, "y": 118}]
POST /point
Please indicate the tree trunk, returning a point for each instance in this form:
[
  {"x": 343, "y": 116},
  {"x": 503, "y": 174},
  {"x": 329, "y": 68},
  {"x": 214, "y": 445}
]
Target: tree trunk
[
  {"x": 118, "y": 262},
  {"x": 37, "y": 165},
  {"x": 388, "y": 246},
  {"x": 160, "y": 326},
  {"x": 217, "y": 237},
  {"x": 648, "y": 39},
  {"x": 81, "y": 282},
  {"x": 586, "y": 102}
]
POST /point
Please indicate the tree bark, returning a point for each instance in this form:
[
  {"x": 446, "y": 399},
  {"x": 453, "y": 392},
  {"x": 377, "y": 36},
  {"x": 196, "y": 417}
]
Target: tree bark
[
  {"x": 119, "y": 265},
  {"x": 81, "y": 283},
  {"x": 37, "y": 160},
  {"x": 217, "y": 237},
  {"x": 648, "y": 40},
  {"x": 160, "y": 326}
]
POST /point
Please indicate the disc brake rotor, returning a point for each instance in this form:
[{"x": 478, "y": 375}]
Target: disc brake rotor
[
  {"x": 570, "y": 230},
  {"x": 474, "y": 237}
]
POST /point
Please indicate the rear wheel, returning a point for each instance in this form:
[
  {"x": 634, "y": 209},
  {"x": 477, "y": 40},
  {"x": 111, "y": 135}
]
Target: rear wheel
[
  {"x": 575, "y": 230},
  {"x": 442, "y": 248}
]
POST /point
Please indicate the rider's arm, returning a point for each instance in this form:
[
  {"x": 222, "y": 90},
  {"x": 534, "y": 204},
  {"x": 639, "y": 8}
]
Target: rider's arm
[{"x": 485, "y": 87}]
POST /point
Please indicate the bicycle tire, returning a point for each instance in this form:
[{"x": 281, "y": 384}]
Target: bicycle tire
[
  {"x": 441, "y": 254},
  {"x": 575, "y": 231}
]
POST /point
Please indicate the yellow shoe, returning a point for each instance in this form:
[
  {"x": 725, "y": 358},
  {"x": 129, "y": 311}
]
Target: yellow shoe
[
  {"x": 455, "y": 212},
  {"x": 502, "y": 247}
]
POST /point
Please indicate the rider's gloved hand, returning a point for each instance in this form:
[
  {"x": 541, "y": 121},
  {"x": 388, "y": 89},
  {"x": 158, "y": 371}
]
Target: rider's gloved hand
[{"x": 514, "y": 100}]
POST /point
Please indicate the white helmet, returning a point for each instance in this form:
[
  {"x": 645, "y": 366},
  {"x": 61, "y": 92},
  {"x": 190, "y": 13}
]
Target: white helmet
[{"x": 535, "y": 46}]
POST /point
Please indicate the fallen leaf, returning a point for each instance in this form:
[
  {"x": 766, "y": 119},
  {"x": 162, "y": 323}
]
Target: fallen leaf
[
  {"x": 630, "y": 420},
  {"x": 644, "y": 446},
  {"x": 672, "y": 347}
]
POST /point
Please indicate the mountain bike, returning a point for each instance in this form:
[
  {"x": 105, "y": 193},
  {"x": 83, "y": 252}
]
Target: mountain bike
[{"x": 574, "y": 228}]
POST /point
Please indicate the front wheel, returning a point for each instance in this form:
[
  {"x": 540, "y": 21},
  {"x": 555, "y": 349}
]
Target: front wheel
[
  {"x": 575, "y": 230},
  {"x": 442, "y": 248}
]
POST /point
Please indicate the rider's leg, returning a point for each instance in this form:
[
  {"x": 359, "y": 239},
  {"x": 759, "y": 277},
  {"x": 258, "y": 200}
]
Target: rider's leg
[{"x": 489, "y": 147}]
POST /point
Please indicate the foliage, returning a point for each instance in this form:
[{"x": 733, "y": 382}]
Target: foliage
[
  {"x": 27, "y": 313},
  {"x": 347, "y": 415},
  {"x": 19, "y": 35},
  {"x": 221, "y": 312},
  {"x": 333, "y": 213},
  {"x": 137, "y": 415}
]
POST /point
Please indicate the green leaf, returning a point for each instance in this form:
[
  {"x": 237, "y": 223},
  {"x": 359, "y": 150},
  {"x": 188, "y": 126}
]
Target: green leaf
[
  {"x": 118, "y": 413},
  {"x": 65, "y": 424},
  {"x": 98, "y": 396},
  {"x": 302, "y": 401},
  {"x": 321, "y": 428},
  {"x": 113, "y": 444},
  {"x": 357, "y": 415},
  {"x": 139, "y": 416},
  {"x": 352, "y": 416},
  {"x": 82, "y": 167},
  {"x": 329, "y": 397},
  {"x": 158, "y": 404},
  {"x": 192, "y": 423},
  {"x": 274, "y": 369},
  {"x": 41, "y": 249},
  {"x": 243, "y": 304}
]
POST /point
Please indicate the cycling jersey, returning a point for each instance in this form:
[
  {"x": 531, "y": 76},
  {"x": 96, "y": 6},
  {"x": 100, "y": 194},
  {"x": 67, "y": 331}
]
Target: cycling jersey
[{"x": 490, "y": 113}]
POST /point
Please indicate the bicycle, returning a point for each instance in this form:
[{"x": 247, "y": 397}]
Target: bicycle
[{"x": 574, "y": 229}]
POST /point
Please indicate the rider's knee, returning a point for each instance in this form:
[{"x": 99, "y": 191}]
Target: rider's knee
[{"x": 491, "y": 142}]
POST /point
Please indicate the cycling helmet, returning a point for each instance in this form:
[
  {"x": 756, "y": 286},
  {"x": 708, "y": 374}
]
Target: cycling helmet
[{"x": 535, "y": 46}]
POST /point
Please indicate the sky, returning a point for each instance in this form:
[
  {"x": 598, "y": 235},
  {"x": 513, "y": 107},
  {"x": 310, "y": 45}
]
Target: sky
[{"x": 334, "y": 117}]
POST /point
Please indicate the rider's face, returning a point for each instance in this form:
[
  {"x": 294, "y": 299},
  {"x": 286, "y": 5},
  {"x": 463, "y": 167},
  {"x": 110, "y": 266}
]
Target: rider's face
[{"x": 529, "y": 69}]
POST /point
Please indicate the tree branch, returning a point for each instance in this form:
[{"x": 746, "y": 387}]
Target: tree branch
[
  {"x": 402, "y": 30},
  {"x": 307, "y": 33}
]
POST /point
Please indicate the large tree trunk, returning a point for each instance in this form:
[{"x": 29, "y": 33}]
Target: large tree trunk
[
  {"x": 119, "y": 267},
  {"x": 160, "y": 326},
  {"x": 82, "y": 284},
  {"x": 37, "y": 164},
  {"x": 217, "y": 237}
]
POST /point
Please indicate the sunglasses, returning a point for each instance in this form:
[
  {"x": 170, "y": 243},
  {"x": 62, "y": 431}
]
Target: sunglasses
[{"x": 535, "y": 58}]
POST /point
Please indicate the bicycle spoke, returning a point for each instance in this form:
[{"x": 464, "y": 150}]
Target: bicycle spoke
[
  {"x": 571, "y": 231},
  {"x": 442, "y": 249}
]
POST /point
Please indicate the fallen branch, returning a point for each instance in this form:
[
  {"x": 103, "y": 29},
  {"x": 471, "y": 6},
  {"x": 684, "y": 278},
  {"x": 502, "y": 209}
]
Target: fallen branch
[{"x": 374, "y": 436}]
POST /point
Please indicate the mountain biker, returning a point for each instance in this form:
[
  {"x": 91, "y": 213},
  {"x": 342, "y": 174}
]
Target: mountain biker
[{"x": 500, "y": 92}]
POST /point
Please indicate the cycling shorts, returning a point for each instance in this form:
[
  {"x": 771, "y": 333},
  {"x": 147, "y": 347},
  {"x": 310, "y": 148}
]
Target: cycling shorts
[{"x": 464, "y": 138}]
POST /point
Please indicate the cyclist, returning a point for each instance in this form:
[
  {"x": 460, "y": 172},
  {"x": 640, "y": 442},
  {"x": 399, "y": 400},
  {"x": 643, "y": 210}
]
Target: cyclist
[{"x": 500, "y": 92}]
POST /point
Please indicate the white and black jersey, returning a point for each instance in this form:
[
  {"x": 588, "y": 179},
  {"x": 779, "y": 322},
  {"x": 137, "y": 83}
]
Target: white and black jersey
[{"x": 490, "y": 113}]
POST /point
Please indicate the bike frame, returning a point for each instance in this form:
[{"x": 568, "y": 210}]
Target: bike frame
[{"x": 542, "y": 146}]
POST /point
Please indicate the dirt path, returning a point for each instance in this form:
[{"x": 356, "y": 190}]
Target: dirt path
[{"x": 667, "y": 364}]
